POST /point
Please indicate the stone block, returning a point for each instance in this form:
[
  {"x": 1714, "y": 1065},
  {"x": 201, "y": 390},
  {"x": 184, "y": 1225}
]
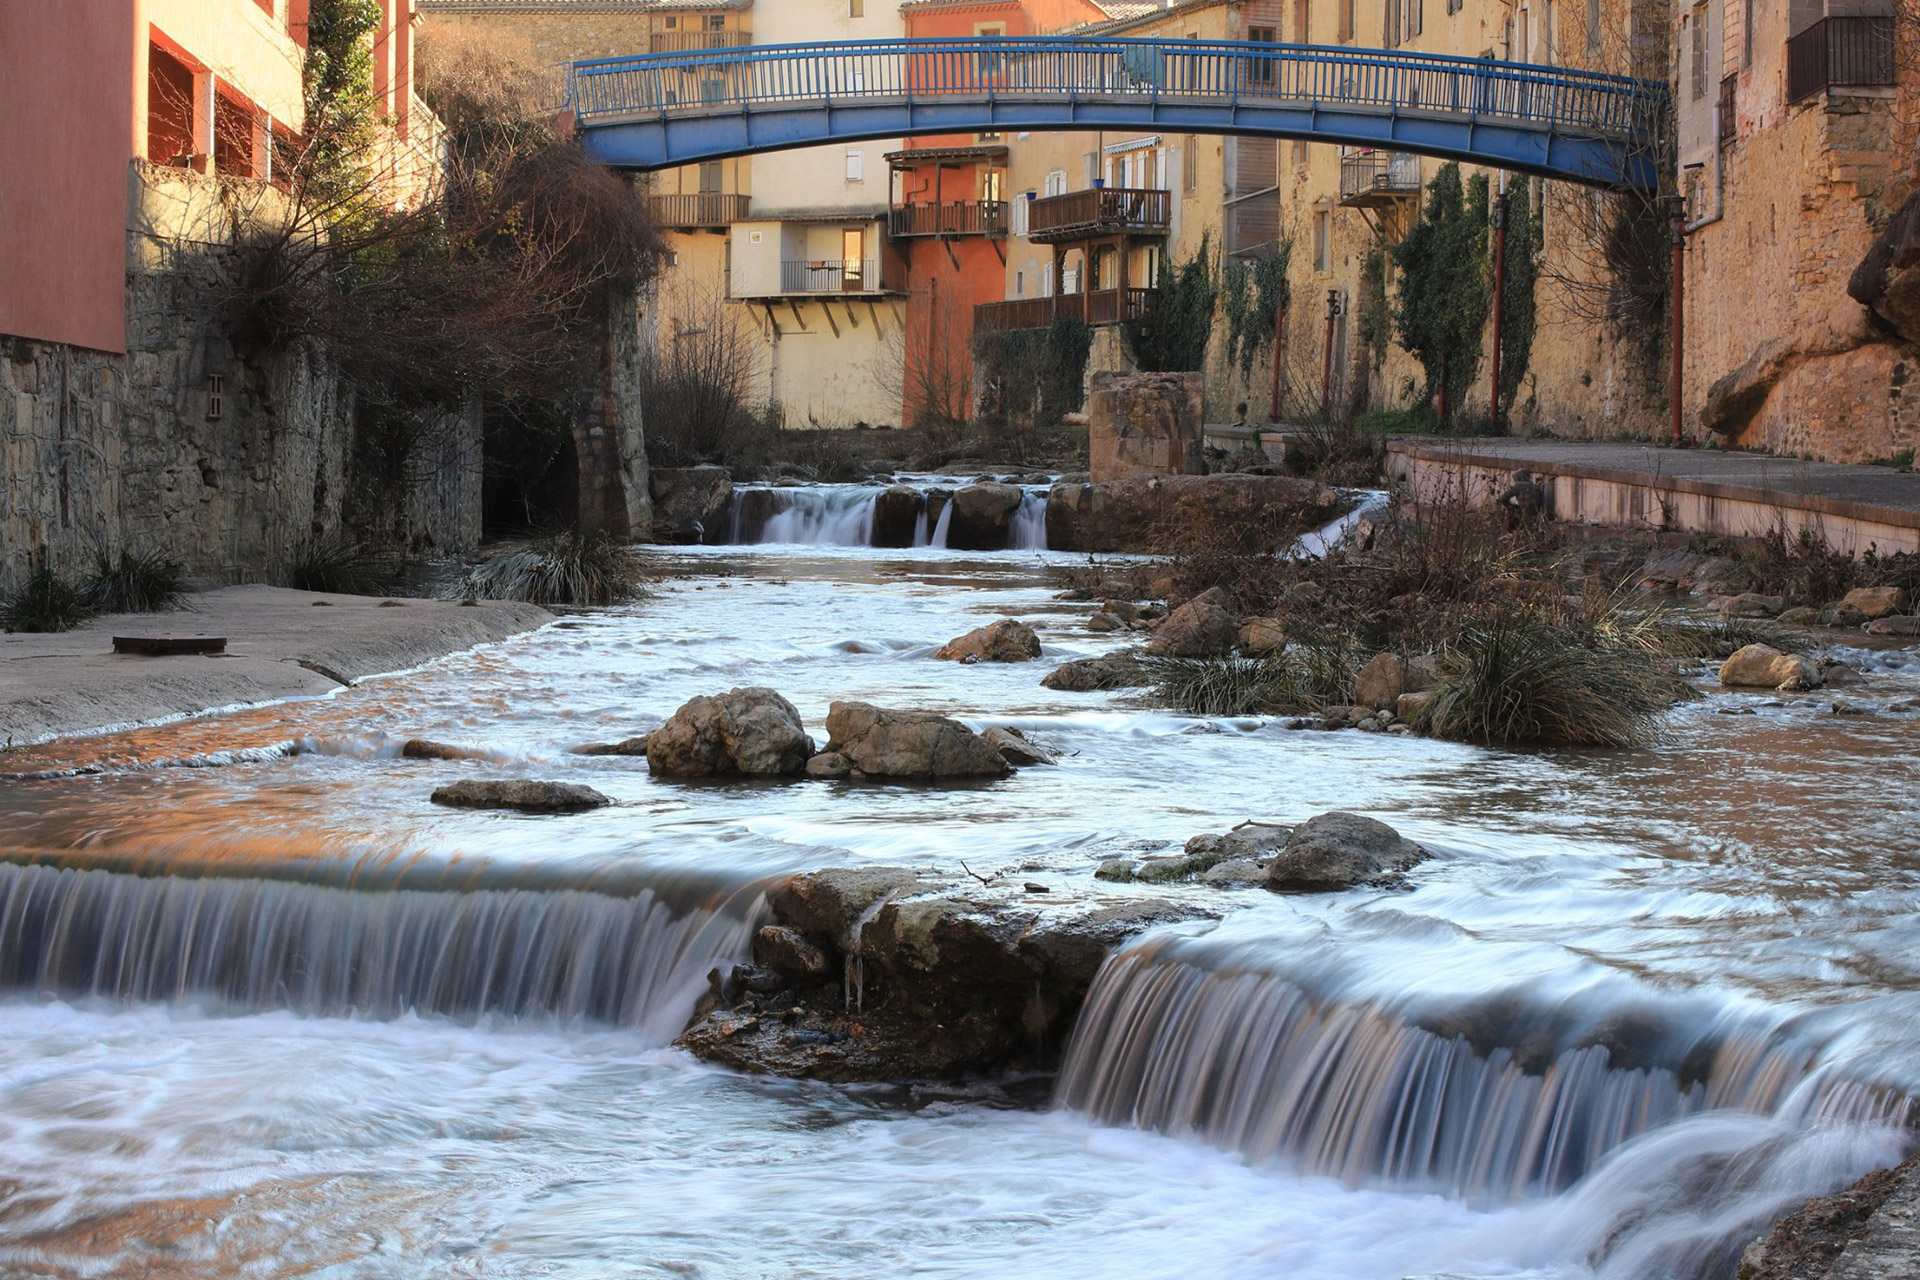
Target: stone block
[{"x": 1145, "y": 424}]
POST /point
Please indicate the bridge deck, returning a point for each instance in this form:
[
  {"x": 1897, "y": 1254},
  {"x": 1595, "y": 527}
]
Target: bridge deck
[{"x": 658, "y": 110}]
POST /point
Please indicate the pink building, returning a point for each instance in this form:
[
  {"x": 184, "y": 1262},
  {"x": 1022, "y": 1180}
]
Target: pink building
[{"x": 88, "y": 87}]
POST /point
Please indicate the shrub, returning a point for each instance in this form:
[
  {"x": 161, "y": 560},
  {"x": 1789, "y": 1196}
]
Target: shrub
[
  {"x": 1510, "y": 679},
  {"x": 340, "y": 566},
  {"x": 566, "y": 569},
  {"x": 48, "y": 602},
  {"x": 1803, "y": 567},
  {"x": 135, "y": 582},
  {"x": 1304, "y": 677}
]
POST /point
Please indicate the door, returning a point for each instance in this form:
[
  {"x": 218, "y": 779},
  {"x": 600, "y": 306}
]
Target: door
[{"x": 851, "y": 240}]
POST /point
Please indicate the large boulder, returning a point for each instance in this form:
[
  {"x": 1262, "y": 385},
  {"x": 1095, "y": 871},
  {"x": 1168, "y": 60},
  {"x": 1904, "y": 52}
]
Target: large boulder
[
  {"x": 1761, "y": 666},
  {"x": 1260, "y": 637},
  {"x": 883, "y": 743},
  {"x": 1895, "y": 624},
  {"x": 1197, "y": 629},
  {"x": 1152, "y": 514},
  {"x": 1876, "y": 602},
  {"x": 1002, "y": 641},
  {"x": 1752, "y": 604},
  {"x": 896, "y": 516},
  {"x": 982, "y": 516},
  {"x": 1339, "y": 851},
  {"x": 691, "y": 504},
  {"x": 1145, "y": 424},
  {"x": 743, "y": 731},
  {"x": 1887, "y": 281},
  {"x": 1387, "y": 676},
  {"x": 521, "y": 794},
  {"x": 1017, "y": 749},
  {"x": 1086, "y": 675}
]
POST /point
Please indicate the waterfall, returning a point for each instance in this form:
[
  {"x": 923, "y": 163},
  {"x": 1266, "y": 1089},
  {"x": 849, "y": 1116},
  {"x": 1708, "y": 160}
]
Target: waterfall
[
  {"x": 1248, "y": 1061},
  {"x": 844, "y": 516},
  {"x": 1028, "y": 529},
  {"x": 830, "y": 516},
  {"x": 636, "y": 959}
]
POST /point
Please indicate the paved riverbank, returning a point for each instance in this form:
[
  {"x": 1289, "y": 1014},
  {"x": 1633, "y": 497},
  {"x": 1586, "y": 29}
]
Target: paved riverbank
[{"x": 280, "y": 644}]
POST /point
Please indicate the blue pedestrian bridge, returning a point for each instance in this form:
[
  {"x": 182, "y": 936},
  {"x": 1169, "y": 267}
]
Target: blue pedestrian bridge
[{"x": 657, "y": 110}]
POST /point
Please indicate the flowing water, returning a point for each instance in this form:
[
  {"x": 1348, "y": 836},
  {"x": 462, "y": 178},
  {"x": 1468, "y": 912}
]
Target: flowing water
[{"x": 270, "y": 1012}]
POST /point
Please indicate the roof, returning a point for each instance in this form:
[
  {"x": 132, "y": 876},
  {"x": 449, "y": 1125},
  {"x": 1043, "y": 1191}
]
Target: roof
[
  {"x": 576, "y": 6},
  {"x": 1127, "y": 10}
]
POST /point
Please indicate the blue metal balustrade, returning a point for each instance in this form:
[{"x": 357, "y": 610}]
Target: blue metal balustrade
[{"x": 652, "y": 111}]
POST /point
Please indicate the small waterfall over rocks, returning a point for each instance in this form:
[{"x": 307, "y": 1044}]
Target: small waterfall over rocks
[
  {"x": 845, "y": 515},
  {"x": 1248, "y": 1061},
  {"x": 636, "y": 959}
]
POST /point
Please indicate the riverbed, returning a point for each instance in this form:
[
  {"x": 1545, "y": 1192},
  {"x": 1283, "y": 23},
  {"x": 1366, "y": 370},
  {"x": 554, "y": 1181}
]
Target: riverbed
[{"x": 270, "y": 1010}]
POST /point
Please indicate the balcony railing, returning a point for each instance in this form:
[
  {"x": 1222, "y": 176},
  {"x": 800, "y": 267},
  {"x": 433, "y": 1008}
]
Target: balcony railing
[
  {"x": 1368, "y": 177},
  {"x": 1103, "y": 306},
  {"x": 1100, "y": 211},
  {"x": 694, "y": 41},
  {"x": 703, "y": 209},
  {"x": 1837, "y": 53},
  {"x": 830, "y": 275},
  {"x": 954, "y": 218}
]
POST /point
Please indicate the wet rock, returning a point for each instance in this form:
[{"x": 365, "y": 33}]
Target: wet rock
[
  {"x": 625, "y": 747},
  {"x": 1016, "y": 750},
  {"x": 1146, "y": 513},
  {"x": 1104, "y": 621},
  {"x": 690, "y": 504},
  {"x": 1838, "y": 675},
  {"x": 1128, "y": 612},
  {"x": 750, "y": 731},
  {"x": 1252, "y": 843},
  {"x": 1844, "y": 1236},
  {"x": 1339, "y": 851},
  {"x": 1843, "y": 615},
  {"x": 1897, "y": 624},
  {"x": 982, "y": 516},
  {"x": 1876, "y": 602},
  {"x": 1004, "y": 641},
  {"x": 1086, "y": 675},
  {"x": 421, "y": 749},
  {"x": 1751, "y": 604},
  {"x": 1234, "y": 873},
  {"x": 1760, "y": 666},
  {"x": 1260, "y": 637},
  {"x": 1387, "y": 676},
  {"x": 1197, "y": 629},
  {"x": 885, "y": 974},
  {"x": 522, "y": 794},
  {"x": 896, "y": 516},
  {"x": 829, "y": 764},
  {"x": 1117, "y": 870},
  {"x": 787, "y": 950},
  {"x": 1806, "y": 616},
  {"x": 883, "y": 743}
]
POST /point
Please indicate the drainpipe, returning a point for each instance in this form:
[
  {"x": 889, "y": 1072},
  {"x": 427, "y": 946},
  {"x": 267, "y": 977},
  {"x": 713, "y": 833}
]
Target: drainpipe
[
  {"x": 1676, "y": 377},
  {"x": 1499, "y": 292}
]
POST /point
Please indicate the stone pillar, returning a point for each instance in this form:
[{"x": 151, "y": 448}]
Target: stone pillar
[
  {"x": 1145, "y": 424},
  {"x": 608, "y": 436}
]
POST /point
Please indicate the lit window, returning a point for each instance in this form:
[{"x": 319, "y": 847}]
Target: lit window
[{"x": 856, "y": 166}]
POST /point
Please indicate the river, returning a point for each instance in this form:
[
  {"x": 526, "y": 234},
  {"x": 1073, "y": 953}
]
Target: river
[{"x": 269, "y": 1012}]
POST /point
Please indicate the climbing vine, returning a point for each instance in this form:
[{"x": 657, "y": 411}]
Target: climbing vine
[
  {"x": 342, "y": 110},
  {"x": 1444, "y": 290},
  {"x": 1172, "y": 338},
  {"x": 1252, "y": 293},
  {"x": 1517, "y": 315},
  {"x": 1376, "y": 316},
  {"x": 1035, "y": 373}
]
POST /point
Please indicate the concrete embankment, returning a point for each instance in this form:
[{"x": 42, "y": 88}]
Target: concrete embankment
[{"x": 280, "y": 644}]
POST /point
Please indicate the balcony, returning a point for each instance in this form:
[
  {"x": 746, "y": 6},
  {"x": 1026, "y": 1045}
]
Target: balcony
[
  {"x": 1374, "y": 179},
  {"x": 696, "y": 41},
  {"x": 1103, "y": 306},
  {"x": 704, "y": 209},
  {"x": 1837, "y": 53},
  {"x": 830, "y": 275},
  {"x": 1102, "y": 211},
  {"x": 954, "y": 218}
]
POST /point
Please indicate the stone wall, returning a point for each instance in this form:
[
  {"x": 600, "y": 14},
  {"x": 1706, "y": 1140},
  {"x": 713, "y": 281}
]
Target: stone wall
[
  {"x": 1145, "y": 424},
  {"x": 106, "y": 451}
]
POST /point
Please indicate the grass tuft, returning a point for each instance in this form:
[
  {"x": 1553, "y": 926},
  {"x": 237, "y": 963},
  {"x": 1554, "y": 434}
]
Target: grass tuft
[
  {"x": 340, "y": 566},
  {"x": 566, "y": 569},
  {"x": 1303, "y": 678},
  {"x": 135, "y": 582},
  {"x": 46, "y": 603}
]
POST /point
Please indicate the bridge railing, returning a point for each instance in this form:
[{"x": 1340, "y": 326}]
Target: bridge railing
[{"x": 772, "y": 76}]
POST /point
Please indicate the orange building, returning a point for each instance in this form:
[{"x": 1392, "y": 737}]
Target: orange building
[
  {"x": 950, "y": 209},
  {"x": 87, "y": 88}
]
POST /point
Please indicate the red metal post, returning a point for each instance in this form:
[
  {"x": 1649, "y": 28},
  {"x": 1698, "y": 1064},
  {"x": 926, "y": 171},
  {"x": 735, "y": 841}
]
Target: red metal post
[{"x": 1326, "y": 372}]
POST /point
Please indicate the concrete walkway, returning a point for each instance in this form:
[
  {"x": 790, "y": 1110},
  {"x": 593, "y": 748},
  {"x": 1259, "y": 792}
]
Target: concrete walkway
[
  {"x": 1691, "y": 490},
  {"x": 280, "y": 644}
]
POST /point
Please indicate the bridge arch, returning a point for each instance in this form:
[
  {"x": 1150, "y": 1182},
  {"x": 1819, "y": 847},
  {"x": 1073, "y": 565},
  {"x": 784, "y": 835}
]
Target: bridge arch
[{"x": 660, "y": 110}]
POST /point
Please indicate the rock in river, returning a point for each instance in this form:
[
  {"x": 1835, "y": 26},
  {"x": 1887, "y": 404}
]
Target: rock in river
[
  {"x": 1339, "y": 851},
  {"x": 522, "y": 794},
  {"x": 1760, "y": 666},
  {"x": 743, "y": 731},
  {"x": 883, "y": 743},
  {"x": 1004, "y": 641}
]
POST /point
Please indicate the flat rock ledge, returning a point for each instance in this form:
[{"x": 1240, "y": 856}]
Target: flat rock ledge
[
  {"x": 521, "y": 794},
  {"x": 1869, "y": 1231},
  {"x": 880, "y": 974}
]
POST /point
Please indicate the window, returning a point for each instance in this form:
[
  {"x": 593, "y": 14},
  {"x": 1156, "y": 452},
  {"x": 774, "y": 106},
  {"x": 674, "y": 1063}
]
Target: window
[
  {"x": 1593, "y": 26},
  {"x": 1092, "y": 162},
  {"x": 1300, "y": 152},
  {"x": 1522, "y": 45},
  {"x": 1190, "y": 164},
  {"x": 1322, "y": 242},
  {"x": 717, "y": 22},
  {"x": 1057, "y": 182},
  {"x": 1546, "y": 36},
  {"x": 856, "y": 166},
  {"x": 1746, "y": 32},
  {"x": 992, "y": 183},
  {"x": 1019, "y": 219},
  {"x": 1020, "y": 283},
  {"x": 1699, "y": 51},
  {"x": 1260, "y": 69},
  {"x": 1390, "y": 25},
  {"x": 1347, "y": 20},
  {"x": 709, "y": 177},
  {"x": 216, "y": 396},
  {"x": 1046, "y": 279},
  {"x": 1300, "y": 21},
  {"x": 856, "y": 8},
  {"x": 673, "y": 23},
  {"x": 989, "y": 63}
]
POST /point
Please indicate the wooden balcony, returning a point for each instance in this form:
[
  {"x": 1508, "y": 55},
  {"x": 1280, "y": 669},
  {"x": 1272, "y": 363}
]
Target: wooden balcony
[
  {"x": 703, "y": 209},
  {"x": 1374, "y": 179},
  {"x": 954, "y": 218},
  {"x": 1101, "y": 211},
  {"x": 696, "y": 41},
  {"x": 1103, "y": 306}
]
